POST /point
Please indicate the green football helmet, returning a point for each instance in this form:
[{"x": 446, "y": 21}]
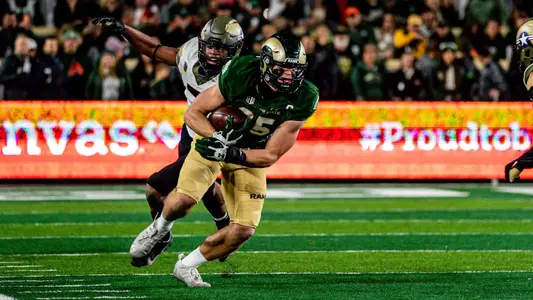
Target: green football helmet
[
  {"x": 222, "y": 33},
  {"x": 524, "y": 45},
  {"x": 281, "y": 52}
]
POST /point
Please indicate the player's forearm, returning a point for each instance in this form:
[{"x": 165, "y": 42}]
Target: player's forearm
[
  {"x": 140, "y": 41},
  {"x": 199, "y": 123},
  {"x": 525, "y": 161},
  {"x": 258, "y": 158}
]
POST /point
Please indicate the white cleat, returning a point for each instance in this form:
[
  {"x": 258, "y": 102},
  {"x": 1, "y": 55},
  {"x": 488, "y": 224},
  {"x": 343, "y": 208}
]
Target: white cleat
[
  {"x": 189, "y": 275},
  {"x": 145, "y": 241}
]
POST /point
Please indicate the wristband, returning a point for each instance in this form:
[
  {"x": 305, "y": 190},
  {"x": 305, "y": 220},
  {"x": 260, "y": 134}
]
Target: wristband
[
  {"x": 235, "y": 156},
  {"x": 155, "y": 51}
]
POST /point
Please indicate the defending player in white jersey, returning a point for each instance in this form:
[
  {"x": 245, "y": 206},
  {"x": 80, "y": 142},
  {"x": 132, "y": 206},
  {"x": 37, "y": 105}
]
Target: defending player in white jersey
[{"x": 199, "y": 62}]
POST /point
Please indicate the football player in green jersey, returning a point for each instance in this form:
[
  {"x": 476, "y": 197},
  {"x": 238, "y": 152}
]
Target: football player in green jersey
[
  {"x": 524, "y": 50},
  {"x": 271, "y": 89}
]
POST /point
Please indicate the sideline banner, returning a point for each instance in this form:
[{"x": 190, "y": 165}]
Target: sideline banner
[{"x": 343, "y": 140}]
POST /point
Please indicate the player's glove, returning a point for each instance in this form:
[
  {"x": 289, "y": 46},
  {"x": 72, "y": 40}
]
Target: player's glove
[
  {"x": 230, "y": 136},
  {"x": 512, "y": 171},
  {"x": 110, "y": 24},
  {"x": 214, "y": 149}
]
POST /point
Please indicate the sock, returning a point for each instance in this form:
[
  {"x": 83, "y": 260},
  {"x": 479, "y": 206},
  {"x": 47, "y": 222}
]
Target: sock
[
  {"x": 194, "y": 259},
  {"x": 163, "y": 224},
  {"x": 221, "y": 218}
]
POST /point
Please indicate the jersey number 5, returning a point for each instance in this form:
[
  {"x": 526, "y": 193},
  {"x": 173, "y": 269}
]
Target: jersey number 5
[{"x": 259, "y": 127}]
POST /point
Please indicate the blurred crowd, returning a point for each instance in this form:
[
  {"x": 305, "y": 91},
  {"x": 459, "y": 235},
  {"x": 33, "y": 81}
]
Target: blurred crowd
[{"x": 401, "y": 50}]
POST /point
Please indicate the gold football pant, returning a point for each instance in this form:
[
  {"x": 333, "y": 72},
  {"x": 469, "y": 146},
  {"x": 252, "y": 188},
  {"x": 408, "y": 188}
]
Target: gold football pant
[{"x": 244, "y": 188}]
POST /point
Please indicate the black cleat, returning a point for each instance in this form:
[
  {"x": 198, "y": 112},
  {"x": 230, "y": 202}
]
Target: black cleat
[
  {"x": 159, "y": 248},
  {"x": 221, "y": 224}
]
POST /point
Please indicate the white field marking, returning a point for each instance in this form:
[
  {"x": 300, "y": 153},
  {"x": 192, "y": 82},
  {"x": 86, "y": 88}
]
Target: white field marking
[
  {"x": 32, "y": 270},
  {"x": 74, "y": 291},
  {"x": 514, "y": 190},
  {"x": 4, "y": 297},
  {"x": 37, "y": 280},
  {"x": 400, "y": 210},
  {"x": 57, "y": 285},
  {"x": 312, "y": 273},
  {"x": 294, "y": 252},
  {"x": 20, "y": 266},
  {"x": 95, "y": 297},
  {"x": 71, "y": 195},
  {"x": 273, "y": 235},
  {"x": 306, "y": 221}
]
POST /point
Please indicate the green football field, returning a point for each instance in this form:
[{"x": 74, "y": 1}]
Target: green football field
[{"x": 314, "y": 242}]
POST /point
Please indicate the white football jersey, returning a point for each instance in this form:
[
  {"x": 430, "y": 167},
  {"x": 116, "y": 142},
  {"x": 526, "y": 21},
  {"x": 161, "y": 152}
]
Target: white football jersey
[{"x": 186, "y": 63}]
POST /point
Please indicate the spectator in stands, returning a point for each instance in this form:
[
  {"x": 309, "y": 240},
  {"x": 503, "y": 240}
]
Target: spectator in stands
[
  {"x": 410, "y": 37},
  {"x": 492, "y": 84},
  {"x": 449, "y": 13},
  {"x": 309, "y": 45},
  {"x": 373, "y": 10},
  {"x": 30, "y": 7},
  {"x": 325, "y": 64},
  {"x": 360, "y": 33},
  {"x": 341, "y": 41},
  {"x": 146, "y": 14},
  {"x": 258, "y": 44},
  {"x": 481, "y": 11},
  {"x": 450, "y": 75},
  {"x": 369, "y": 77},
  {"x": 141, "y": 77},
  {"x": 107, "y": 82},
  {"x": 45, "y": 76},
  {"x": 385, "y": 37},
  {"x": 76, "y": 12},
  {"x": 111, "y": 8},
  {"x": 179, "y": 30},
  {"x": 428, "y": 65},
  {"x": 161, "y": 88},
  {"x": 494, "y": 39},
  {"x": 75, "y": 66},
  {"x": 15, "y": 70},
  {"x": 429, "y": 22},
  {"x": 407, "y": 83},
  {"x": 8, "y": 34},
  {"x": 443, "y": 33}
]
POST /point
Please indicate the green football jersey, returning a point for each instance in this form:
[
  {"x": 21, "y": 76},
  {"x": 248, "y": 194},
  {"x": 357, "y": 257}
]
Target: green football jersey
[{"x": 239, "y": 83}]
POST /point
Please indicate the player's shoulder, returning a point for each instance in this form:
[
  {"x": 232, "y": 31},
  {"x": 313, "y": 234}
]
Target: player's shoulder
[
  {"x": 239, "y": 75},
  {"x": 240, "y": 64},
  {"x": 189, "y": 47}
]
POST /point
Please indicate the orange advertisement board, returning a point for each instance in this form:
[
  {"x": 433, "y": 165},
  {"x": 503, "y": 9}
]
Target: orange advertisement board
[{"x": 343, "y": 140}]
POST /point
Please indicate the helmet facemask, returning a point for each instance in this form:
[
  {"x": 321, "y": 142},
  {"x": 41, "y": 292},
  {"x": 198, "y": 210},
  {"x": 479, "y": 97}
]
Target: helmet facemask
[{"x": 214, "y": 63}]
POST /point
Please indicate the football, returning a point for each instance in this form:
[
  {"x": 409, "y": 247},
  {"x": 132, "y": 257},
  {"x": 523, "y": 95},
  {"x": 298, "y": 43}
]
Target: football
[{"x": 218, "y": 117}]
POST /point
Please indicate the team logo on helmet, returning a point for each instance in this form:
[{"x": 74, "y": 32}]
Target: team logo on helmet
[
  {"x": 185, "y": 67},
  {"x": 524, "y": 39}
]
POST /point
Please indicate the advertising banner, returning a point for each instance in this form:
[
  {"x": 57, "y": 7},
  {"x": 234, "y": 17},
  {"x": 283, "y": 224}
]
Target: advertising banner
[{"x": 343, "y": 140}]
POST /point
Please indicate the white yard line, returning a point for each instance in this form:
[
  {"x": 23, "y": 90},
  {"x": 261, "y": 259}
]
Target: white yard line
[
  {"x": 275, "y": 235},
  {"x": 19, "y": 266},
  {"x": 31, "y": 270},
  {"x": 294, "y": 252},
  {"x": 302, "y": 273},
  {"x": 95, "y": 297},
  {"x": 57, "y": 285},
  {"x": 74, "y": 291}
]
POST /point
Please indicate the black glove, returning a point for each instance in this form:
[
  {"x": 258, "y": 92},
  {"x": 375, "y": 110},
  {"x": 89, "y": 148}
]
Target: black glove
[
  {"x": 214, "y": 149},
  {"x": 110, "y": 24}
]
